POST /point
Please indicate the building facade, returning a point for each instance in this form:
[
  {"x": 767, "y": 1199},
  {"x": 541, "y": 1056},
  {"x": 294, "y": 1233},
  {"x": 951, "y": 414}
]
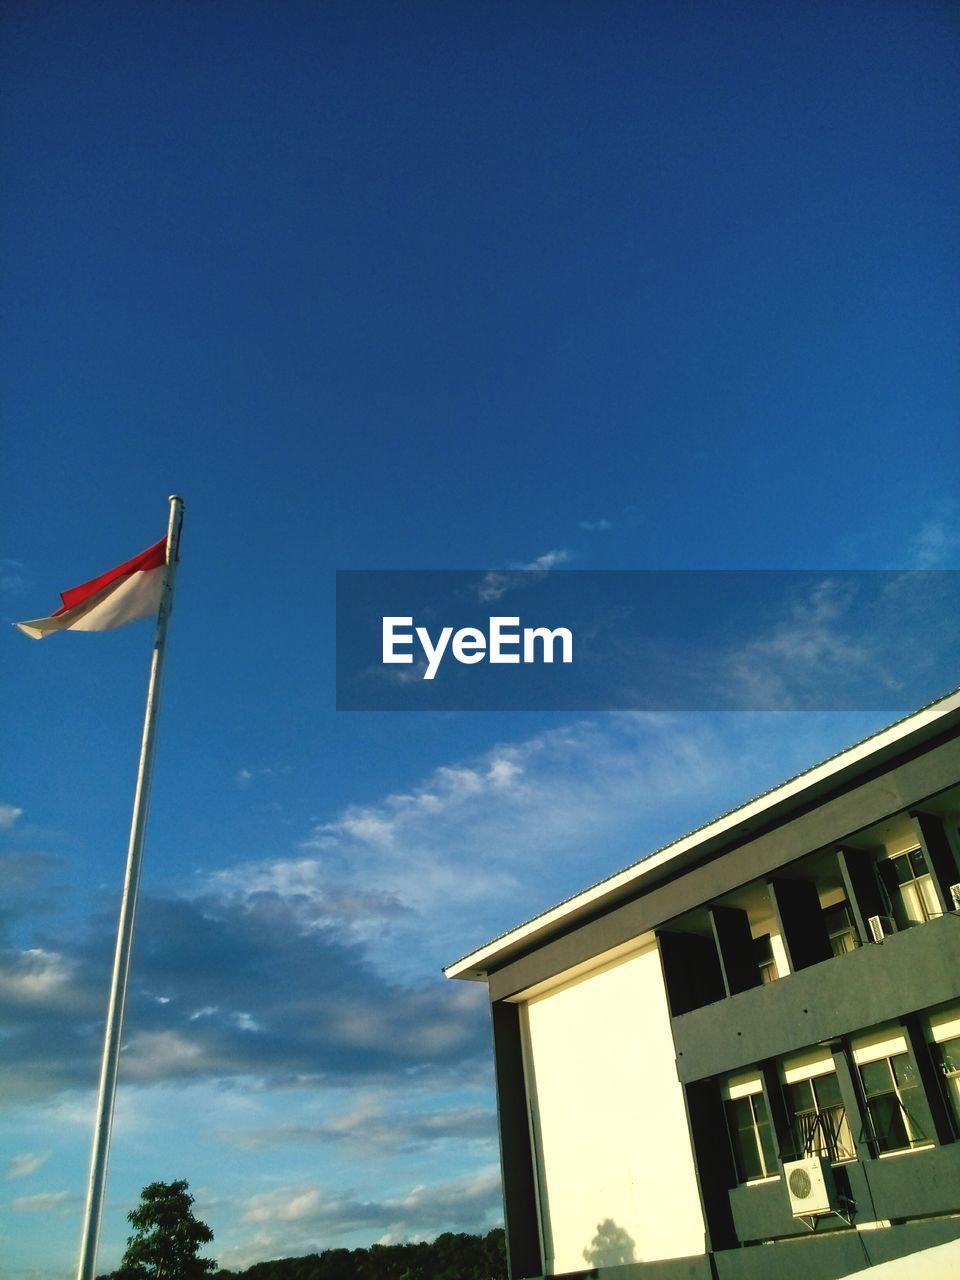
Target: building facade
[{"x": 740, "y": 1057}]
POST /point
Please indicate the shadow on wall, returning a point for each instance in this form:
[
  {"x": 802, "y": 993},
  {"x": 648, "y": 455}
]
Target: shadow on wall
[{"x": 611, "y": 1246}]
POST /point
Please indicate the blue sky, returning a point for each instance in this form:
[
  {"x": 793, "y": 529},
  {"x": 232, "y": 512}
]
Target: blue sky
[{"x": 410, "y": 286}]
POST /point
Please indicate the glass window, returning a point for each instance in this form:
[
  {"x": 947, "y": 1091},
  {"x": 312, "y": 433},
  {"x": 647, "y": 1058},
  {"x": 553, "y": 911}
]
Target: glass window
[
  {"x": 751, "y": 1137},
  {"x": 763, "y": 954},
  {"x": 890, "y": 1087},
  {"x": 840, "y": 928},
  {"x": 819, "y": 1118},
  {"x": 917, "y": 896},
  {"x": 948, "y": 1057}
]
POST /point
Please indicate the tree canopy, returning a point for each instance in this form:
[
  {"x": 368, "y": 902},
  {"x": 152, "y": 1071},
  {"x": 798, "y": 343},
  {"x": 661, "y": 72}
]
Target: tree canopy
[
  {"x": 167, "y": 1238},
  {"x": 452, "y": 1256}
]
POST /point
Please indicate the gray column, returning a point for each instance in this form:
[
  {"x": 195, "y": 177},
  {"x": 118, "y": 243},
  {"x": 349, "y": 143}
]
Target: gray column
[
  {"x": 937, "y": 854},
  {"x": 852, "y": 1097},
  {"x": 738, "y": 962},
  {"x": 691, "y": 970},
  {"x": 933, "y": 1117},
  {"x": 516, "y": 1156},
  {"x": 862, "y": 889},
  {"x": 805, "y": 936}
]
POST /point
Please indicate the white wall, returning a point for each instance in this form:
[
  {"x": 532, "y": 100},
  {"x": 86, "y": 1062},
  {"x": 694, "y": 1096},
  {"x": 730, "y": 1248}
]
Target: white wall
[{"x": 614, "y": 1162}]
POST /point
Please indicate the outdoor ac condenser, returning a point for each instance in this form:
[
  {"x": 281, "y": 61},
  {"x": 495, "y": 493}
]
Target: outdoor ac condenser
[
  {"x": 811, "y": 1186},
  {"x": 880, "y": 927}
]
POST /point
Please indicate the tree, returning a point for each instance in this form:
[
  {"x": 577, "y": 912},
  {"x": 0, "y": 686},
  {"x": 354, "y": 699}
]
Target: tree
[{"x": 166, "y": 1241}]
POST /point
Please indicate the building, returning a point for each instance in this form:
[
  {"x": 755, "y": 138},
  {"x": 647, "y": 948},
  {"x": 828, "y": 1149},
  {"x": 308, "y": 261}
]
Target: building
[{"x": 740, "y": 1057}]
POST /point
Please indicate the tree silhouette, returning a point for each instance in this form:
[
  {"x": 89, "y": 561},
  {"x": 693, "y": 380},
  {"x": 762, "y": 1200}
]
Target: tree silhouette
[
  {"x": 611, "y": 1246},
  {"x": 167, "y": 1238}
]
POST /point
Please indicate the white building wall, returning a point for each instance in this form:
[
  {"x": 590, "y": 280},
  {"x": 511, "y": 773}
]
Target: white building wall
[{"x": 614, "y": 1160}]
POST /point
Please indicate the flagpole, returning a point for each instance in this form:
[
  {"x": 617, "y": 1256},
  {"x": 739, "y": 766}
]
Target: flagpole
[{"x": 128, "y": 910}]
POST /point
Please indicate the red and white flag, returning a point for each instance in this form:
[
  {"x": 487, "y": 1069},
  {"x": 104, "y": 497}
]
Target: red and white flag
[{"x": 124, "y": 594}]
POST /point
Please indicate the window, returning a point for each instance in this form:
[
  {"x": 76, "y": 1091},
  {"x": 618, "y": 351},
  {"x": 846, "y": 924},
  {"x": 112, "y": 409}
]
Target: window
[
  {"x": 890, "y": 1088},
  {"x": 751, "y": 1137},
  {"x": 948, "y": 1057},
  {"x": 763, "y": 955},
  {"x": 840, "y": 928},
  {"x": 916, "y": 899},
  {"x": 819, "y": 1118}
]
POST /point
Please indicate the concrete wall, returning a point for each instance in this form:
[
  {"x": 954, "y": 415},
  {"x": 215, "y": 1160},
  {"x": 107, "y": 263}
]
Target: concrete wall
[{"x": 615, "y": 1168}]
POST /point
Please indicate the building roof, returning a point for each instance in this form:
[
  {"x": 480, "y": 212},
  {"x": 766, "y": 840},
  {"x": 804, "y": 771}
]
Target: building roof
[{"x": 770, "y": 807}]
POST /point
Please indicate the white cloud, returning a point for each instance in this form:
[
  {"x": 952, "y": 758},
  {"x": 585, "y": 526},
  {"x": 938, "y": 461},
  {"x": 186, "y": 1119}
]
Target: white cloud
[
  {"x": 543, "y": 564},
  {"x": 245, "y": 777},
  {"x": 411, "y": 674},
  {"x": 498, "y": 582},
  {"x": 35, "y": 976},
  {"x": 596, "y": 526},
  {"x": 12, "y": 577},
  {"x": 937, "y": 544},
  {"x": 479, "y": 844},
  {"x": 847, "y": 640},
  {"x": 44, "y": 1201},
  {"x": 285, "y": 1204},
  {"x": 8, "y": 816},
  {"x": 245, "y": 1021},
  {"x": 449, "y": 788},
  {"x": 365, "y": 826},
  {"x": 807, "y": 648},
  {"x": 374, "y": 1124},
  {"x": 426, "y": 1202},
  {"x": 423, "y": 1210},
  {"x": 152, "y": 1055},
  {"x": 24, "y": 1165}
]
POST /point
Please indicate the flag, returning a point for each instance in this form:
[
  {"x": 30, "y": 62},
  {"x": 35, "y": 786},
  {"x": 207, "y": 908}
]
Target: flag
[{"x": 130, "y": 591}]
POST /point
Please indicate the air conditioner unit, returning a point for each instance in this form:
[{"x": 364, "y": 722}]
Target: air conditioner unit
[
  {"x": 955, "y": 896},
  {"x": 880, "y": 927},
  {"x": 811, "y": 1186}
]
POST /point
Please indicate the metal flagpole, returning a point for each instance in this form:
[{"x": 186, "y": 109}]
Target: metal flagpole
[{"x": 128, "y": 910}]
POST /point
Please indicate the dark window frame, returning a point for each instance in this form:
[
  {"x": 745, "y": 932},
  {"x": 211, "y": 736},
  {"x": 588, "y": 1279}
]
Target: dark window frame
[
  {"x": 888, "y": 1123},
  {"x": 759, "y": 1152},
  {"x": 821, "y": 1127}
]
